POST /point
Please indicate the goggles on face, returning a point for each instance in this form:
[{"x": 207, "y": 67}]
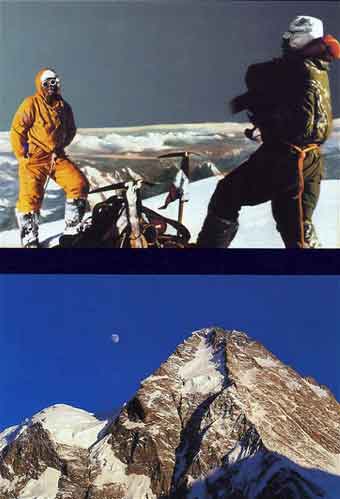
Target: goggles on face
[{"x": 51, "y": 82}]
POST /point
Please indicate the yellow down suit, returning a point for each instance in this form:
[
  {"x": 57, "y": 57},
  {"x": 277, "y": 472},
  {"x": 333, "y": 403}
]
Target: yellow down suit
[{"x": 40, "y": 131}]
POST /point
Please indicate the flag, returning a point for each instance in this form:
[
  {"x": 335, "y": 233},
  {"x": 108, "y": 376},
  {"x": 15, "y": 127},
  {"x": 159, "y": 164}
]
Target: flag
[{"x": 179, "y": 188}]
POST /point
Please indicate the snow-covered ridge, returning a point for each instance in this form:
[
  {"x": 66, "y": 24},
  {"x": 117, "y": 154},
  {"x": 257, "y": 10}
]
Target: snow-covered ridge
[
  {"x": 112, "y": 154},
  {"x": 8, "y": 435},
  {"x": 65, "y": 424},
  {"x": 155, "y": 137},
  {"x": 70, "y": 426},
  {"x": 33, "y": 452},
  {"x": 138, "y": 139}
]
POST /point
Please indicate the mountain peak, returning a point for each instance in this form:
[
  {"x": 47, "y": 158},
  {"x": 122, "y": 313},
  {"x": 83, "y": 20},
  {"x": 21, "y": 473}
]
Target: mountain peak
[{"x": 221, "y": 416}]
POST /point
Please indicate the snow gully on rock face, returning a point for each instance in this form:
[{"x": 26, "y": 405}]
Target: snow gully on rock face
[{"x": 221, "y": 417}]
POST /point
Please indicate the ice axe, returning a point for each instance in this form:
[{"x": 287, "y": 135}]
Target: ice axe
[
  {"x": 122, "y": 185},
  {"x": 52, "y": 165},
  {"x": 185, "y": 167}
]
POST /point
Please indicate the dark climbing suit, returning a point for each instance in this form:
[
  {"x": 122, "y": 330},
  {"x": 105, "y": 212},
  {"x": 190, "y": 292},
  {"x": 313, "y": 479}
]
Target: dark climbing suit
[{"x": 271, "y": 173}]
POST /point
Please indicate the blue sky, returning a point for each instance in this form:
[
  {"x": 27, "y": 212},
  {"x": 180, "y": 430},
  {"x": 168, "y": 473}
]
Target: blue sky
[{"x": 55, "y": 331}]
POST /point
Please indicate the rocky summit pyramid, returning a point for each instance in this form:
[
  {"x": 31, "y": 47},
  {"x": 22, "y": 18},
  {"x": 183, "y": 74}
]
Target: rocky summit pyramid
[{"x": 221, "y": 418}]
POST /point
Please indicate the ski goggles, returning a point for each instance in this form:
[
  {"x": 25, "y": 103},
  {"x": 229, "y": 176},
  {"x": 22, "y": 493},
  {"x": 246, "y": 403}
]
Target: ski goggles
[{"x": 51, "y": 82}]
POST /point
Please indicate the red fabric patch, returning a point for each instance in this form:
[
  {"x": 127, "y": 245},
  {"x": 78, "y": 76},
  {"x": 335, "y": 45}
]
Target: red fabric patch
[{"x": 333, "y": 46}]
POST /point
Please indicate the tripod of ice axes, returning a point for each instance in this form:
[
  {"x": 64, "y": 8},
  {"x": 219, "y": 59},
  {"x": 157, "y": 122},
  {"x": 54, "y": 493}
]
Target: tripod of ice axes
[{"x": 185, "y": 167}]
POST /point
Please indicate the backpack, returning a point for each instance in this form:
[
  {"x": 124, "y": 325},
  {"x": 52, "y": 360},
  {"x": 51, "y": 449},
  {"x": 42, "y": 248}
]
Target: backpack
[
  {"x": 109, "y": 227},
  {"x": 269, "y": 91},
  {"x": 102, "y": 232}
]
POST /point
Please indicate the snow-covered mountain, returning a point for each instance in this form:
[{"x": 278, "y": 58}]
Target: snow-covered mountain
[
  {"x": 111, "y": 155},
  {"x": 221, "y": 418},
  {"x": 47, "y": 456},
  {"x": 114, "y": 154}
]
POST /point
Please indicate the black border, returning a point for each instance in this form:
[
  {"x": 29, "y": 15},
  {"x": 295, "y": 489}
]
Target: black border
[{"x": 170, "y": 261}]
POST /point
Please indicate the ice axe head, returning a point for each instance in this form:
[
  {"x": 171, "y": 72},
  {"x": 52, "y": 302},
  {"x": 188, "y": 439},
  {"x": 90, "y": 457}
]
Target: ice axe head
[{"x": 185, "y": 155}]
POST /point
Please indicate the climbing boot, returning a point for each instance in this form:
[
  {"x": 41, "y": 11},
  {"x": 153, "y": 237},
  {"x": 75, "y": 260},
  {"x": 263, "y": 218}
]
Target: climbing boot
[
  {"x": 310, "y": 236},
  {"x": 74, "y": 213},
  {"x": 217, "y": 232}
]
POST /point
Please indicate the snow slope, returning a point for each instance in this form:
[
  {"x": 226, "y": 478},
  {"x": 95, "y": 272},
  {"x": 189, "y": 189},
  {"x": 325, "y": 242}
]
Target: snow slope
[
  {"x": 222, "y": 146},
  {"x": 257, "y": 227},
  {"x": 55, "y": 435},
  {"x": 65, "y": 424}
]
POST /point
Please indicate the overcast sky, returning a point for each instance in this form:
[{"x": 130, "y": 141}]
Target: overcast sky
[
  {"x": 56, "y": 330},
  {"x": 143, "y": 62}
]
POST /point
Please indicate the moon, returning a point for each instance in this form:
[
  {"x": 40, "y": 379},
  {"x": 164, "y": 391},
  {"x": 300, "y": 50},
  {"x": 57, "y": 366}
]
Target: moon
[{"x": 115, "y": 338}]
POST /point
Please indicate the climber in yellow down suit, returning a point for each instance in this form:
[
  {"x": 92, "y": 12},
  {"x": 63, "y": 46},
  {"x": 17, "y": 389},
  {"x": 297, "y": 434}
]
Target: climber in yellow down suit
[{"x": 42, "y": 127}]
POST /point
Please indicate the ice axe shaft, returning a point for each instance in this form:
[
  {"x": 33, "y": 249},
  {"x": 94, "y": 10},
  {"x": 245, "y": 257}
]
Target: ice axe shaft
[
  {"x": 180, "y": 209},
  {"x": 52, "y": 165},
  {"x": 185, "y": 167},
  {"x": 178, "y": 154},
  {"x": 119, "y": 185}
]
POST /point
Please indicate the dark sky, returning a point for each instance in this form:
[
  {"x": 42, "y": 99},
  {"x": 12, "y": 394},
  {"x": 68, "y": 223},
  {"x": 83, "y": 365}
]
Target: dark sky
[
  {"x": 55, "y": 331},
  {"x": 143, "y": 62}
]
